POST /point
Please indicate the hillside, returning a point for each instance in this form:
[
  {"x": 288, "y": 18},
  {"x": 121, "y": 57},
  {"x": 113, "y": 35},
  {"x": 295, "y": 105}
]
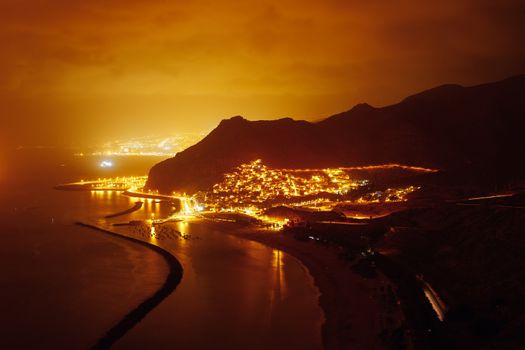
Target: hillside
[
  {"x": 472, "y": 256},
  {"x": 474, "y": 131}
]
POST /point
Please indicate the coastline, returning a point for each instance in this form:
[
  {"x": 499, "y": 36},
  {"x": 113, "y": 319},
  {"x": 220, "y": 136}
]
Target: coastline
[
  {"x": 354, "y": 316},
  {"x": 352, "y": 305},
  {"x": 133, "y": 317}
]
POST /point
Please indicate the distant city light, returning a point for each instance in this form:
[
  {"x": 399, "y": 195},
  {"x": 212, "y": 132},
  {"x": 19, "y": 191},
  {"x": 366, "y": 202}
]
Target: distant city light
[
  {"x": 147, "y": 146},
  {"x": 106, "y": 164}
]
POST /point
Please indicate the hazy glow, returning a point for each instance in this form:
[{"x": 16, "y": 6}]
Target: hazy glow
[
  {"x": 101, "y": 70},
  {"x": 147, "y": 145}
]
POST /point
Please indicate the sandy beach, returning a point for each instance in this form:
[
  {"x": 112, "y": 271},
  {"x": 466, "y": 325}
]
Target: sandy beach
[
  {"x": 357, "y": 314},
  {"x": 271, "y": 302},
  {"x": 356, "y": 310}
]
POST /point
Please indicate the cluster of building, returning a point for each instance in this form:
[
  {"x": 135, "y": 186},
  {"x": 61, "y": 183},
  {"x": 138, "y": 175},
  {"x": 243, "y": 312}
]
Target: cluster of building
[
  {"x": 253, "y": 187},
  {"x": 255, "y": 183},
  {"x": 388, "y": 195}
]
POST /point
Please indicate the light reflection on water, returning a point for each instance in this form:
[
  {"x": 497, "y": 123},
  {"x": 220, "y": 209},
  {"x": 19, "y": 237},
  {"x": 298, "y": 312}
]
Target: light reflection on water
[
  {"x": 238, "y": 293},
  {"x": 280, "y": 276},
  {"x": 278, "y": 292},
  {"x": 234, "y": 290},
  {"x": 63, "y": 286}
]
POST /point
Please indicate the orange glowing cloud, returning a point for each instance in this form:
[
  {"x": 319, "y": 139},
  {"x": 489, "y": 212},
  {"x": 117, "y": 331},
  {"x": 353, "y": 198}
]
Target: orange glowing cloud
[{"x": 128, "y": 67}]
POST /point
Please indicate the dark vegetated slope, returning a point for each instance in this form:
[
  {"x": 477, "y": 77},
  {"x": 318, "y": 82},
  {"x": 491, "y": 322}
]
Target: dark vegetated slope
[{"x": 473, "y": 256}]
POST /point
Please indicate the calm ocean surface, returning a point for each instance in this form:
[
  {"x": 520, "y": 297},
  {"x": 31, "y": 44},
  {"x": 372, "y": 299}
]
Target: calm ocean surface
[{"x": 64, "y": 286}]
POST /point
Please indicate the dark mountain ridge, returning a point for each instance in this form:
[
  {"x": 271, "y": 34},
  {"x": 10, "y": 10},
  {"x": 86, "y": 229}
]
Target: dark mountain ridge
[{"x": 457, "y": 129}]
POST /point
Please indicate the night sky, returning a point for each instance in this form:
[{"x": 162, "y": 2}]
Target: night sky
[{"x": 79, "y": 72}]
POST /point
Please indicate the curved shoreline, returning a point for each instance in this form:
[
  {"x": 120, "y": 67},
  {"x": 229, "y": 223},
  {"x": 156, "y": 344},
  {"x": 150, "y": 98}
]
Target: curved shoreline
[
  {"x": 341, "y": 317},
  {"x": 329, "y": 336},
  {"x": 137, "y": 314},
  {"x": 348, "y": 323}
]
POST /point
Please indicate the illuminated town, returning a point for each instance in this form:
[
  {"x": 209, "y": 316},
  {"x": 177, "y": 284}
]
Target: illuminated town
[
  {"x": 122, "y": 183},
  {"x": 256, "y": 184},
  {"x": 388, "y": 195},
  {"x": 146, "y": 146},
  {"x": 253, "y": 187}
]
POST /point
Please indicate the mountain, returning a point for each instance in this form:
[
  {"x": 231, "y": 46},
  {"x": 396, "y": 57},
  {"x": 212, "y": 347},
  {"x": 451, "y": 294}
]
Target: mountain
[{"x": 475, "y": 130}]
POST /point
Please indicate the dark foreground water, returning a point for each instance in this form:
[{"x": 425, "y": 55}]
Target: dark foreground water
[{"x": 64, "y": 286}]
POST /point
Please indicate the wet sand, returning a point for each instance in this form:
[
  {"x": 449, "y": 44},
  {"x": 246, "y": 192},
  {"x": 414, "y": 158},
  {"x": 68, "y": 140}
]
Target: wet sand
[
  {"x": 354, "y": 314},
  {"x": 353, "y": 310}
]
